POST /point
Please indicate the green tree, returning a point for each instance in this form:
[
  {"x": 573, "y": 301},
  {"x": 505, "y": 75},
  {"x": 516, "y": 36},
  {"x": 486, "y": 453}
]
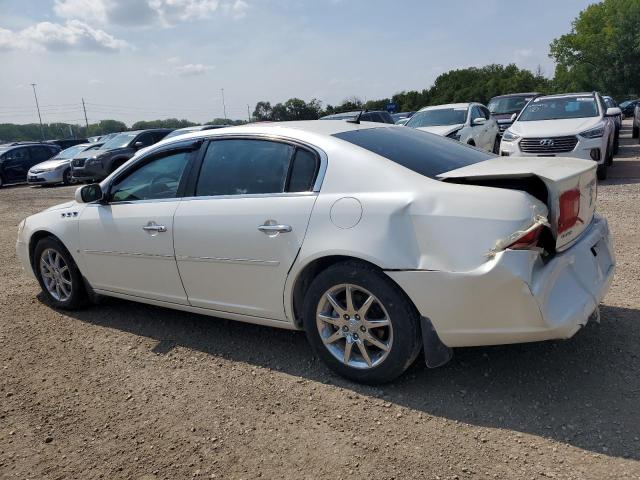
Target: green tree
[{"x": 602, "y": 50}]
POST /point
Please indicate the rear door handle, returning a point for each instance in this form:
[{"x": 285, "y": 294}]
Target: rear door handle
[
  {"x": 154, "y": 227},
  {"x": 271, "y": 229}
]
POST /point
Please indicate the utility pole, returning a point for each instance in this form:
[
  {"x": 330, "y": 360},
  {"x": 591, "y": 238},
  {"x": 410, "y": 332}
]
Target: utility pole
[
  {"x": 86, "y": 122},
  {"x": 224, "y": 107},
  {"x": 33, "y": 85},
  {"x": 248, "y": 114}
]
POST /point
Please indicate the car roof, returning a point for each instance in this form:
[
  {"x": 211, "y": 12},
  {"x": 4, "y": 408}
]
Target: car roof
[{"x": 576, "y": 94}]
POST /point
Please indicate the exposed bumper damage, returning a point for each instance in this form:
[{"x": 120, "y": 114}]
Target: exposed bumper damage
[{"x": 516, "y": 297}]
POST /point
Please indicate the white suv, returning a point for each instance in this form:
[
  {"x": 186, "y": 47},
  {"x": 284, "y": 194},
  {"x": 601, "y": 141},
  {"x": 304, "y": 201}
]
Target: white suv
[
  {"x": 469, "y": 123},
  {"x": 570, "y": 125}
]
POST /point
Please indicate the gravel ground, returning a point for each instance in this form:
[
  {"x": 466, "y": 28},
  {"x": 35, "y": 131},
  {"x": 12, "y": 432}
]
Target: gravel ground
[{"x": 124, "y": 390}]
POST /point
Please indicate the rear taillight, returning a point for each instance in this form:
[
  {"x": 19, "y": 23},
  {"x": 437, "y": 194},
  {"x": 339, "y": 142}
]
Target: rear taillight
[
  {"x": 528, "y": 240},
  {"x": 569, "y": 210}
]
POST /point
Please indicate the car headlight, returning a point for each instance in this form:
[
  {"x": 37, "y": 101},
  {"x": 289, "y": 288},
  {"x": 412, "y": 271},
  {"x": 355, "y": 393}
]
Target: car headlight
[
  {"x": 455, "y": 134},
  {"x": 509, "y": 136},
  {"x": 595, "y": 132}
]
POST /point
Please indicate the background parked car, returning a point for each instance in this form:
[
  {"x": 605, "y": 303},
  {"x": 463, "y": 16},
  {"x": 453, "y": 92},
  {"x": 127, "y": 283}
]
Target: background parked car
[
  {"x": 628, "y": 107},
  {"x": 401, "y": 118},
  {"x": 16, "y": 159},
  {"x": 101, "y": 163},
  {"x": 570, "y": 125},
  {"x": 378, "y": 116},
  {"x": 469, "y": 123},
  {"x": 58, "y": 169},
  {"x": 197, "y": 128},
  {"x": 68, "y": 142},
  {"x": 617, "y": 120},
  {"x": 635, "y": 130},
  {"x": 102, "y": 138},
  {"x": 504, "y": 107}
]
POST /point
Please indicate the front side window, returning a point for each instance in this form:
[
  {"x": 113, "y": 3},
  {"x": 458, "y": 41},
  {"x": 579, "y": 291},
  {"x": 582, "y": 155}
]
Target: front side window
[
  {"x": 17, "y": 155},
  {"x": 156, "y": 179},
  {"x": 438, "y": 117},
  {"x": 557, "y": 108},
  {"x": 244, "y": 167}
]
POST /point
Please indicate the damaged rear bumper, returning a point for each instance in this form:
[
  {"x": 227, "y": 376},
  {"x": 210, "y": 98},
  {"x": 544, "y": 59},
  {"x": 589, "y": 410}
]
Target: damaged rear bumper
[{"x": 516, "y": 297}]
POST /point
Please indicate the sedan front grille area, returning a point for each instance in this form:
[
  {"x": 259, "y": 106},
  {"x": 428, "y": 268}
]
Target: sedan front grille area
[
  {"x": 78, "y": 162},
  {"x": 548, "y": 145}
]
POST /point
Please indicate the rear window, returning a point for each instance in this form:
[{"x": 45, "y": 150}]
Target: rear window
[{"x": 422, "y": 152}]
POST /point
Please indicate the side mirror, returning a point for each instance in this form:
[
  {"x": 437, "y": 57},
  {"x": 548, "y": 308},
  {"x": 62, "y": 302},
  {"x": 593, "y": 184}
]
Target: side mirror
[
  {"x": 478, "y": 121},
  {"x": 513, "y": 117},
  {"x": 613, "y": 112},
  {"x": 89, "y": 193},
  {"x": 138, "y": 144}
]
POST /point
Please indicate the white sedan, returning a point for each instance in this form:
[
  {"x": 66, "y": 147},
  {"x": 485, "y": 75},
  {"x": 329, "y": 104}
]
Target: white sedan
[
  {"x": 377, "y": 240},
  {"x": 469, "y": 123}
]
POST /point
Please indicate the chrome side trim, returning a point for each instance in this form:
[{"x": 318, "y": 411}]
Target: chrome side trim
[
  {"x": 251, "y": 195},
  {"x": 128, "y": 254},
  {"x": 242, "y": 261}
]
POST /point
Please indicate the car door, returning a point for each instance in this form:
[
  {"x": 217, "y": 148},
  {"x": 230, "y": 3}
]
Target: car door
[
  {"x": 492, "y": 128},
  {"x": 16, "y": 164},
  {"x": 479, "y": 131},
  {"x": 237, "y": 237},
  {"x": 127, "y": 240}
]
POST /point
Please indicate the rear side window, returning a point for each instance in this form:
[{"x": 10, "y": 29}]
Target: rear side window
[
  {"x": 422, "y": 152},
  {"x": 303, "y": 171},
  {"x": 244, "y": 167},
  {"x": 40, "y": 154}
]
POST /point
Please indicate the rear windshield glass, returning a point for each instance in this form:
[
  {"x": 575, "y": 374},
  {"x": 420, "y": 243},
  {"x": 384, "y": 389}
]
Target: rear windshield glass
[{"x": 422, "y": 152}]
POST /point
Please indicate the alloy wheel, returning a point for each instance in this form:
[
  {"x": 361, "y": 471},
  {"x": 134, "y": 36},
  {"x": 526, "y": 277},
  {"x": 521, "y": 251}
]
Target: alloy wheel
[
  {"x": 354, "y": 326},
  {"x": 56, "y": 275}
]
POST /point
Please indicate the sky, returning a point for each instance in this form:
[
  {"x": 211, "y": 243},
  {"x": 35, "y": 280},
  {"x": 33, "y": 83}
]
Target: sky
[{"x": 147, "y": 59}]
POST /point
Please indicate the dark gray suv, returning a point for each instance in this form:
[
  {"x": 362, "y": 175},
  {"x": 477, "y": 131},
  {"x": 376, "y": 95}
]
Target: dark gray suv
[{"x": 99, "y": 164}]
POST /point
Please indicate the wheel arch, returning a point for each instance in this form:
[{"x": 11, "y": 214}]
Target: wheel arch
[
  {"x": 35, "y": 238},
  {"x": 315, "y": 267}
]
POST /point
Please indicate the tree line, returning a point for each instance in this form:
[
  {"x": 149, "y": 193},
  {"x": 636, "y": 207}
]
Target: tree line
[{"x": 601, "y": 52}]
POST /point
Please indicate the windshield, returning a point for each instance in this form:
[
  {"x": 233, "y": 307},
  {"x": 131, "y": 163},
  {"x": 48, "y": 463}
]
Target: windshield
[
  {"x": 70, "y": 152},
  {"x": 422, "y": 152},
  {"x": 119, "y": 141},
  {"x": 557, "y": 108},
  {"x": 505, "y": 105},
  {"x": 438, "y": 117}
]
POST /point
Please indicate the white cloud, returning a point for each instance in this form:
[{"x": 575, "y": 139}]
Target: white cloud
[
  {"x": 192, "y": 69},
  {"x": 47, "y": 36},
  {"x": 146, "y": 12},
  {"x": 523, "y": 53}
]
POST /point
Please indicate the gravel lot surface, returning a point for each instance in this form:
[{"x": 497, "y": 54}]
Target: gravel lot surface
[{"x": 124, "y": 390}]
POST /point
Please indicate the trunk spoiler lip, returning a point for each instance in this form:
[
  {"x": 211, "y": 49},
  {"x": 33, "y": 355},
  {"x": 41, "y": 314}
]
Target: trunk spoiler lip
[{"x": 549, "y": 168}]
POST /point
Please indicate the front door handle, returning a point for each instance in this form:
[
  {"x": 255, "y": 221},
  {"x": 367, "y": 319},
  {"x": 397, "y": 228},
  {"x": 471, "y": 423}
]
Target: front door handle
[
  {"x": 154, "y": 227},
  {"x": 270, "y": 229}
]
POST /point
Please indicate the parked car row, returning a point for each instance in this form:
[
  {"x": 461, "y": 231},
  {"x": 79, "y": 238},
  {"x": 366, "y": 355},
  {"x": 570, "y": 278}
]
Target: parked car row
[{"x": 70, "y": 161}]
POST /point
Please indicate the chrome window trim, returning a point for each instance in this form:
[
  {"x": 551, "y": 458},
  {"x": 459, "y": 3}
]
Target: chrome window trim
[
  {"x": 129, "y": 254},
  {"x": 246, "y": 136}
]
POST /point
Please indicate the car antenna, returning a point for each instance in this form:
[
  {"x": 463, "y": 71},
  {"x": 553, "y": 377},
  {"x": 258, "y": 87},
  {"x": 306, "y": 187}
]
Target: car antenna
[{"x": 357, "y": 119}]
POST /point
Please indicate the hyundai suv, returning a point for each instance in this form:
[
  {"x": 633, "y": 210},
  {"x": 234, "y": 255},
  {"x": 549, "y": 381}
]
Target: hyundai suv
[
  {"x": 99, "y": 164},
  {"x": 568, "y": 125}
]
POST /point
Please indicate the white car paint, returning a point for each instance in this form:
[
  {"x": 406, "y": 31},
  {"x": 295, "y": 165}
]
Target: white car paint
[
  {"x": 550, "y": 130},
  {"x": 477, "y": 130},
  {"x": 441, "y": 241}
]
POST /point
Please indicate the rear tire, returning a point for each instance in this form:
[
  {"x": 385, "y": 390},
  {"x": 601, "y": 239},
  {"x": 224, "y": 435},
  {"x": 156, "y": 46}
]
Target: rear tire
[
  {"x": 379, "y": 342},
  {"x": 616, "y": 144},
  {"x": 58, "y": 275},
  {"x": 635, "y": 132},
  {"x": 67, "y": 179}
]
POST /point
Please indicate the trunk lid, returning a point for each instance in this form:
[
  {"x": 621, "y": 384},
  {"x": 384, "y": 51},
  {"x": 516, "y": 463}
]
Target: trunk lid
[{"x": 559, "y": 175}]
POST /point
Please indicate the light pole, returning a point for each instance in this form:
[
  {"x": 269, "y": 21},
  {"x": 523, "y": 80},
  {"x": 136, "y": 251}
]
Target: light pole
[
  {"x": 33, "y": 85},
  {"x": 224, "y": 107}
]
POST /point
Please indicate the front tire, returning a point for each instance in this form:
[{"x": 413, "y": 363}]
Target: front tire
[
  {"x": 496, "y": 145},
  {"x": 67, "y": 177},
  {"x": 361, "y": 324},
  {"x": 601, "y": 171},
  {"x": 635, "y": 132},
  {"x": 58, "y": 275}
]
